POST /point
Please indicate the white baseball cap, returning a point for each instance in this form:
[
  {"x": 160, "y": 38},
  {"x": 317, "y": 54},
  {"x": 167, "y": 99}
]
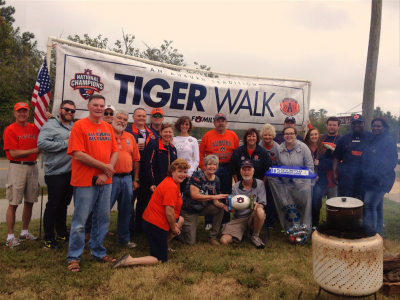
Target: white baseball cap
[{"x": 110, "y": 107}]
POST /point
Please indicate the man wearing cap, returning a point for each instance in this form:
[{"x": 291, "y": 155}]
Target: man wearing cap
[
  {"x": 20, "y": 145},
  {"x": 109, "y": 114},
  {"x": 221, "y": 142},
  {"x": 247, "y": 220},
  {"x": 142, "y": 135},
  {"x": 53, "y": 142},
  {"x": 289, "y": 122},
  {"x": 156, "y": 119},
  {"x": 347, "y": 171}
]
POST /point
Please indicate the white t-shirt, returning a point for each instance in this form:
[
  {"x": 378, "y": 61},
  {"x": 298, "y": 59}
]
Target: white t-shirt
[{"x": 188, "y": 149}]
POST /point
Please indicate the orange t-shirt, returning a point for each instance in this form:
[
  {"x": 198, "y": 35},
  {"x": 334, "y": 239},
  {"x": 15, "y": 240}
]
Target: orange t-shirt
[
  {"x": 128, "y": 153},
  {"x": 167, "y": 193},
  {"x": 17, "y": 137},
  {"x": 96, "y": 140},
  {"x": 222, "y": 145}
]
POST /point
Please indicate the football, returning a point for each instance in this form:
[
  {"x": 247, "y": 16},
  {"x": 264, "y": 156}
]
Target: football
[{"x": 240, "y": 202}]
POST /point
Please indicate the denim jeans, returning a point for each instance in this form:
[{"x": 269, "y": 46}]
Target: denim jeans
[
  {"x": 318, "y": 191},
  {"x": 225, "y": 176},
  {"x": 373, "y": 210},
  {"x": 95, "y": 199},
  {"x": 55, "y": 215},
  {"x": 122, "y": 192}
]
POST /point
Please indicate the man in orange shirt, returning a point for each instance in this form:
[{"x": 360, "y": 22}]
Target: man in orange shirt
[
  {"x": 126, "y": 168},
  {"x": 20, "y": 145},
  {"x": 94, "y": 152},
  {"x": 221, "y": 142}
]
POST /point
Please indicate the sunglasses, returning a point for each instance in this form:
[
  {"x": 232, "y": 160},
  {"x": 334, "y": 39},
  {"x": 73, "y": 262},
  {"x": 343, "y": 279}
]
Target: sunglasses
[
  {"x": 69, "y": 110},
  {"x": 157, "y": 116},
  {"x": 107, "y": 113}
]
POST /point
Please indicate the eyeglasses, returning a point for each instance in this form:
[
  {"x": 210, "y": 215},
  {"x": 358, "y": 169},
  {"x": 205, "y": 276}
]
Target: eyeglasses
[
  {"x": 119, "y": 144},
  {"x": 69, "y": 109},
  {"x": 107, "y": 113},
  {"x": 287, "y": 134},
  {"x": 157, "y": 116}
]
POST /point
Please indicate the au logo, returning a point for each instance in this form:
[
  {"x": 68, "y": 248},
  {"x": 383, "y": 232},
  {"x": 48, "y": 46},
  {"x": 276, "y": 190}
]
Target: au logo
[
  {"x": 198, "y": 119},
  {"x": 87, "y": 84},
  {"x": 290, "y": 107}
]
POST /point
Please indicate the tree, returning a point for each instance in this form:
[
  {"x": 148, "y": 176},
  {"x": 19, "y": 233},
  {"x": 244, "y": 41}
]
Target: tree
[
  {"x": 165, "y": 53},
  {"x": 372, "y": 62},
  {"x": 19, "y": 65}
]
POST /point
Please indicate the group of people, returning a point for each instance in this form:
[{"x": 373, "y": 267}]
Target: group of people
[{"x": 100, "y": 160}]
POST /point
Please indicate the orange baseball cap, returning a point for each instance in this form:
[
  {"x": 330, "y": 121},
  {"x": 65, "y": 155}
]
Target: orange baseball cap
[
  {"x": 157, "y": 111},
  {"x": 20, "y": 105}
]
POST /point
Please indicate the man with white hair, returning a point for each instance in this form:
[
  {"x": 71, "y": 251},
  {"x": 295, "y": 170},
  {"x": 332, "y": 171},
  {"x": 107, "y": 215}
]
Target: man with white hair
[
  {"x": 127, "y": 167},
  {"x": 247, "y": 220}
]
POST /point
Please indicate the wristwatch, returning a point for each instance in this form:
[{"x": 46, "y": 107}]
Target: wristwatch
[{"x": 137, "y": 180}]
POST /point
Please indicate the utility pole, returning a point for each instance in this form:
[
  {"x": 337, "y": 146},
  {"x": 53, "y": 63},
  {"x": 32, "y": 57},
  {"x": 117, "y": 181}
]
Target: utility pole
[{"x": 372, "y": 62}]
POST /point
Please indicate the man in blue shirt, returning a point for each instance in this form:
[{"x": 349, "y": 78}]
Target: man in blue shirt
[
  {"x": 347, "y": 169},
  {"x": 53, "y": 141}
]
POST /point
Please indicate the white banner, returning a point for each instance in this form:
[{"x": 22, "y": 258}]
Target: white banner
[{"x": 128, "y": 84}]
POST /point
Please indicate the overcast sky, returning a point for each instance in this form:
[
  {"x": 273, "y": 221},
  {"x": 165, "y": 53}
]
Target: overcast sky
[{"x": 322, "y": 41}]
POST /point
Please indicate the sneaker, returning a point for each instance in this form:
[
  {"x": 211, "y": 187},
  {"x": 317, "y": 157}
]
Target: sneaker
[
  {"x": 214, "y": 241},
  {"x": 13, "y": 242},
  {"x": 52, "y": 244},
  {"x": 128, "y": 244},
  {"x": 28, "y": 237},
  {"x": 64, "y": 239},
  {"x": 208, "y": 226},
  {"x": 257, "y": 242}
]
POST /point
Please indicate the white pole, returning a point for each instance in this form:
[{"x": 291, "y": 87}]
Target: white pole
[
  {"x": 164, "y": 65},
  {"x": 49, "y": 46}
]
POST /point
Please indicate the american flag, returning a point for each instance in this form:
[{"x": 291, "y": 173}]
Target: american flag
[{"x": 41, "y": 96}]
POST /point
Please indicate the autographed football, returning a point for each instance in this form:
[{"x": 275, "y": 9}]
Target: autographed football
[{"x": 240, "y": 202}]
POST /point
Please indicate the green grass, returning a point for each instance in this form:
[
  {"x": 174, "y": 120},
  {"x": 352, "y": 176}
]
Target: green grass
[
  {"x": 201, "y": 271},
  {"x": 3, "y": 191}
]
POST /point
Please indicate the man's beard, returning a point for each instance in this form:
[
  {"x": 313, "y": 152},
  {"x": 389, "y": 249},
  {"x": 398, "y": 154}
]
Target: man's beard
[
  {"x": 247, "y": 177},
  {"x": 118, "y": 126},
  {"x": 64, "y": 118}
]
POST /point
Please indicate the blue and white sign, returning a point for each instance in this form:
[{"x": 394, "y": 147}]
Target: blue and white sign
[{"x": 128, "y": 84}]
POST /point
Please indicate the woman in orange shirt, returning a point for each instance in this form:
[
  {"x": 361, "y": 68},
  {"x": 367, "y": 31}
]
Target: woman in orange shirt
[{"x": 161, "y": 221}]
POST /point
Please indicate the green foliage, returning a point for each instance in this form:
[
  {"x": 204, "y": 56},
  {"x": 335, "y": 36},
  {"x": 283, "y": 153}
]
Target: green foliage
[{"x": 20, "y": 61}]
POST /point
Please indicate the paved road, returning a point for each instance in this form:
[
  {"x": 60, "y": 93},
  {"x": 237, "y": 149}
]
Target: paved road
[{"x": 4, "y": 170}]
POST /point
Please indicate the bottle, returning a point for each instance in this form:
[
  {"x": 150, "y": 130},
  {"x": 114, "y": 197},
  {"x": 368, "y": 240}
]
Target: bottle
[
  {"x": 229, "y": 202},
  {"x": 251, "y": 202}
]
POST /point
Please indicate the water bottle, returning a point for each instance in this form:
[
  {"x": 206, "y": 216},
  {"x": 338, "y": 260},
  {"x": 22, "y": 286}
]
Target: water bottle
[
  {"x": 229, "y": 202},
  {"x": 251, "y": 202}
]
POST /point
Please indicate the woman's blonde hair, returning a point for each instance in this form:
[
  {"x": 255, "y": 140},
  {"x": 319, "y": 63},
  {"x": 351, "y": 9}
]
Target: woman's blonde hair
[{"x": 268, "y": 127}]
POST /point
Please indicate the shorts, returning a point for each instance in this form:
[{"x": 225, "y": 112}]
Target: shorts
[
  {"x": 22, "y": 182},
  {"x": 238, "y": 227},
  {"x": 157, "y": 239}
]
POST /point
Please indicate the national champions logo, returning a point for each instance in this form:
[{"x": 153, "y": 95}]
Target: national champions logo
[
  {"x": 290, "y": 107},
  {"x": 87, "y": 84}
]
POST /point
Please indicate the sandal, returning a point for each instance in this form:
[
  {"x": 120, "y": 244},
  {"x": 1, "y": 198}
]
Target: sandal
[
  {"x": 106, "y": 259},
  {"x": 120, "y": 262},
  {"x": 74, "y": 266}
]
